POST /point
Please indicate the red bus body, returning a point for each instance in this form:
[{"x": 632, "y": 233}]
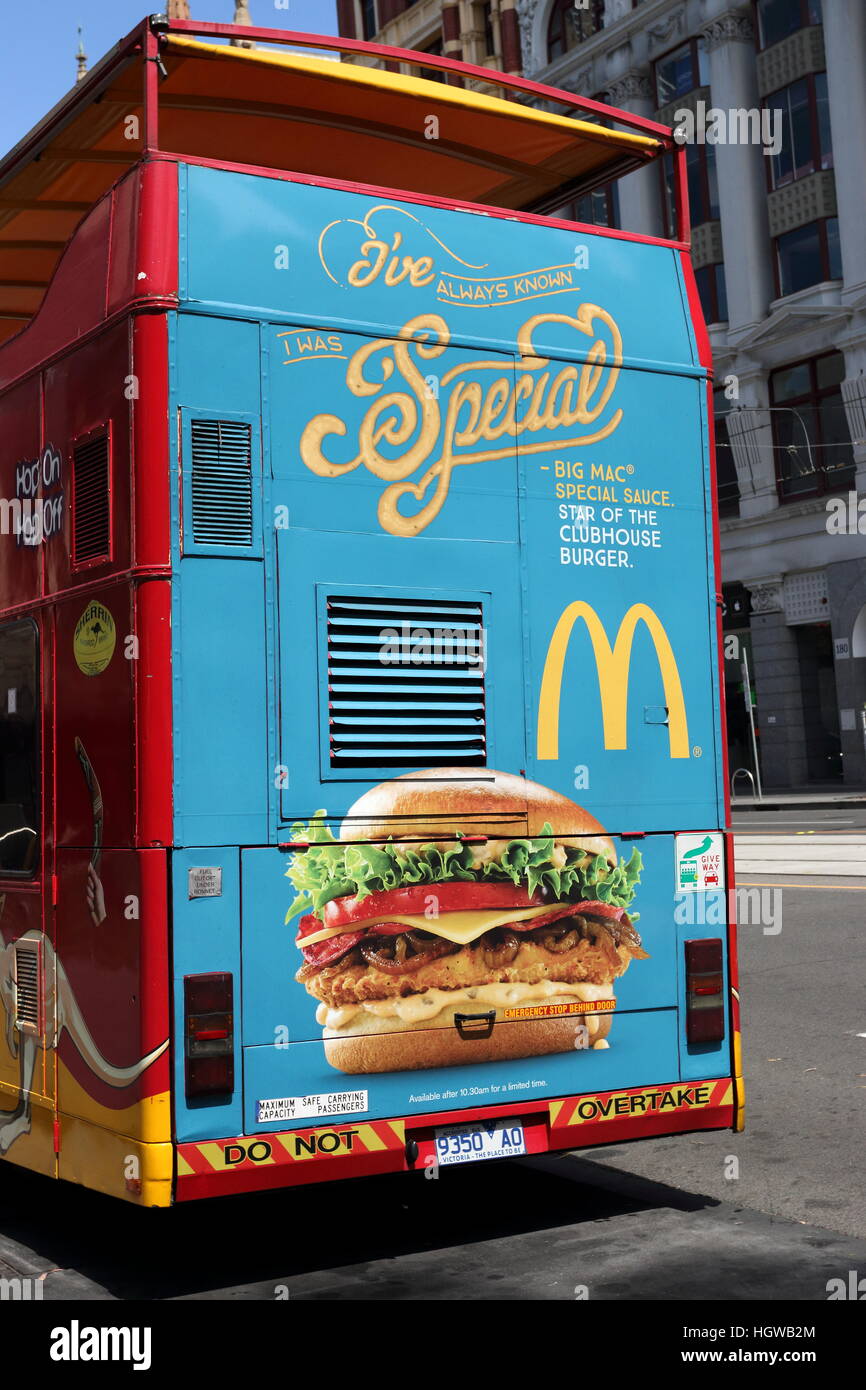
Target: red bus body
[{"x": 91, "y": 1074}]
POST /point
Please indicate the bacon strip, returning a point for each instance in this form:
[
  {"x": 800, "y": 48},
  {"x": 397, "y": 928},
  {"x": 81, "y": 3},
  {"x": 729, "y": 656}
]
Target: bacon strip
[
  {"x": 323, "y": 953},
  {"x": 587, "y": 908}
]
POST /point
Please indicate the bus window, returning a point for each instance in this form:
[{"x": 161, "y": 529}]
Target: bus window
[{"x": 19, "y": 742}]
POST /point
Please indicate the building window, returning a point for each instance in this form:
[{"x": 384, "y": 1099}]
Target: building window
[
  {"x": 727, "y": 483},
  {"x": 713, "y": 293},
  {"x": 677, "y": 74},
  {"x": 779, "y": 18},
  {"x": 681, "y": 71},
  {"x": 567, "y": 26},
  {"x": 600, "y": 208},
  {"x": 435, "y": 47},
  {"x": 702, "y": 184},
  {"x": 810, "y": 430},
  {"x": 368, "y": 19},
  {"x": 19, "y": 749},
  {"x": 805, "y": 129},
  {"x": 807, "y": 256},
  {"x": 484, "y": 22}
]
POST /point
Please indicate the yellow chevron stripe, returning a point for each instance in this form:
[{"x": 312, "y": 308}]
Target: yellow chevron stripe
[
  {"x": 370, "y": 1139},
  {"x": 212, "y": 1154}
]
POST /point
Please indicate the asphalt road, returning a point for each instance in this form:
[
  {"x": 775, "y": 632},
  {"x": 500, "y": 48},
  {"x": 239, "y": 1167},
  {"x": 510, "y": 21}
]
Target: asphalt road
[
  {"x": 804, "y": 1029},
  {"x": 653, "y": 1220},
  {"x": 549, "y": 1229}
]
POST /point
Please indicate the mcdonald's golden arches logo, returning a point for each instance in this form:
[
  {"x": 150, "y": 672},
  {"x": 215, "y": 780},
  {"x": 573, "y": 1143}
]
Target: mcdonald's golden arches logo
[{"x": 612, "y": 665}]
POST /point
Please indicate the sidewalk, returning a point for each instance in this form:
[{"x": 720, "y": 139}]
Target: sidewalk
[{"x": 811, "y": 800}]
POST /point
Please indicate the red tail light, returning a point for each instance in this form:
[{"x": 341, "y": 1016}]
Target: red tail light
[
  {"x": 208, "y": 1034},
  {"x": 705, "y": 999}
]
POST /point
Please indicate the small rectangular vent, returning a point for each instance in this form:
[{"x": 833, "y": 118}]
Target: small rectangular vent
[
  {"x": 405, "y": 682},
  {"x": 222, "y": 482},
  {"x": 28, "y": 986},
  {"x": 91, "y": 501}
]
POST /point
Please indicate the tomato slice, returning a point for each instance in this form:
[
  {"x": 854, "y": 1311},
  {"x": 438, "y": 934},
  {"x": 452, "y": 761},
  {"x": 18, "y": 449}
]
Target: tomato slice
[{"x": 413, "y": 900}]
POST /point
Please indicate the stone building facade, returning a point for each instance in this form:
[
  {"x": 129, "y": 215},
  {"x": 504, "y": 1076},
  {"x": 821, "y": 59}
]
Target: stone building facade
[{"x": 485, "y": 34}]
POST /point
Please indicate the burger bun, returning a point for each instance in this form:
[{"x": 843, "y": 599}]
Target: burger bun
[
  {"x": 370, "y": 1044},
  {"x": 444, "y": 802}
]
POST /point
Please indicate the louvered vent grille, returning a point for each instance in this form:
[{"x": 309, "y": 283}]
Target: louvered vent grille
[
  {"x": 27, "y": 994},
  {"x": 222, "y": 482},
  {"x": 405, "y": 683},
  {"x": 91, "y": 528}
]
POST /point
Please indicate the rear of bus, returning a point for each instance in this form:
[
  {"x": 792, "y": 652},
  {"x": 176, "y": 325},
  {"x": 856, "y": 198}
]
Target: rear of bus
[{"x": 450, "y": 864}]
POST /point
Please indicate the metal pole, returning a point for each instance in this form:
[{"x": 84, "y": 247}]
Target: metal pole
[{"x": 747, "y": 695}]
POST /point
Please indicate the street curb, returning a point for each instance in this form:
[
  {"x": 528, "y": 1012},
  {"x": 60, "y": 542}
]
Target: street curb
[
  {"x": 58, "y": 1284},
  {"x": 797, "y": 805}
]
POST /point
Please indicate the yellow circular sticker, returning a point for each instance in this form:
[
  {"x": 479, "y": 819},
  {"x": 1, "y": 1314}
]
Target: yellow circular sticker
[{"x": 94, "y": 640}]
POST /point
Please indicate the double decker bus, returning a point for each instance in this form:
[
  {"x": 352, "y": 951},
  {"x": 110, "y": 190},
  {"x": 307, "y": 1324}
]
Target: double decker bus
[{"x": 362, "y": 789}]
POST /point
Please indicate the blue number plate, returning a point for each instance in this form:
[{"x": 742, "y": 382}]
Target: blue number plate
[{"x": 472, "y": 1142}]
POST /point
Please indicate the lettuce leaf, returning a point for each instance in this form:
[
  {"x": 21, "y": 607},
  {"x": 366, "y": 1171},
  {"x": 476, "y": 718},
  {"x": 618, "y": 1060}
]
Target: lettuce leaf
[{"x": 331, "y": 869}]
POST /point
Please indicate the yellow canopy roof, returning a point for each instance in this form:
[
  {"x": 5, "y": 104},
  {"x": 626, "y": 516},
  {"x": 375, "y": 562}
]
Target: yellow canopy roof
[
  {"x": 310, "y": 116},
  {"x": 364, "y": 125}
]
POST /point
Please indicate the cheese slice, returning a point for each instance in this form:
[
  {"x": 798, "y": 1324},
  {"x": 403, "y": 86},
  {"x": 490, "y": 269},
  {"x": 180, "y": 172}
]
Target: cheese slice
[{"x": 459, "y": 927}]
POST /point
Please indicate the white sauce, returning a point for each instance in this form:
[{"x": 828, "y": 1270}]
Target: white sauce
[{"x": 415, "y": 1008}]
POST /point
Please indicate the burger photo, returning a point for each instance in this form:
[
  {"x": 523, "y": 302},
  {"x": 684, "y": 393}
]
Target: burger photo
[{"x": 461, "y": 916}]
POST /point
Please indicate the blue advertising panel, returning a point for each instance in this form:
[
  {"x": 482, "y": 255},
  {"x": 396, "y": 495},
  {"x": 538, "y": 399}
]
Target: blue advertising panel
[{"x": 479, "y": 622}]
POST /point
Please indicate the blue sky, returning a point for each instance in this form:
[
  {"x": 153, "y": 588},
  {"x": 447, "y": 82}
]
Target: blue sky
[{"x": 41, "y": 41}]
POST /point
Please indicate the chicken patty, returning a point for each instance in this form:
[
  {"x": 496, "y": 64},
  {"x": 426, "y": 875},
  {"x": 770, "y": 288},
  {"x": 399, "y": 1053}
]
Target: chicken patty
[{"x": 352, "y": 981}]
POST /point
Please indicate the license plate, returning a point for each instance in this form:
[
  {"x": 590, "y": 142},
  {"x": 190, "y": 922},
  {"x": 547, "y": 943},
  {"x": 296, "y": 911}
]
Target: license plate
[{"x": 470, "y": 1143}]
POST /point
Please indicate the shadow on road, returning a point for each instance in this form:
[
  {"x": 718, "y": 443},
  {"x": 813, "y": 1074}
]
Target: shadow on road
[
  {"x": 269, "y": 1238},
  {"x": 550, "y": 1228}
]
